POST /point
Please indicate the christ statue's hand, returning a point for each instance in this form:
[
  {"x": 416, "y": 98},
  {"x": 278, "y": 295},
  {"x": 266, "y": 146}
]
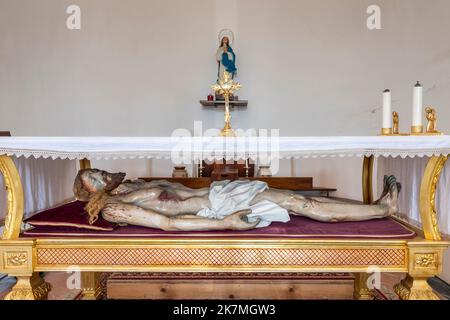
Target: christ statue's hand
[{"x": 239, "y": 221}]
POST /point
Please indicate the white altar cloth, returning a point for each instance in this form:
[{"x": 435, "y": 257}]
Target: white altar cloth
[{"x": 96, "y": 148}]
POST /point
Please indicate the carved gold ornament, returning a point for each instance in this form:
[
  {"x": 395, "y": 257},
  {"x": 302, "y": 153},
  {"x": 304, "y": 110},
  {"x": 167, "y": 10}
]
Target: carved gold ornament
[
  {"x": 16, "y": 258},
  {"x": 425, "y": 260}
]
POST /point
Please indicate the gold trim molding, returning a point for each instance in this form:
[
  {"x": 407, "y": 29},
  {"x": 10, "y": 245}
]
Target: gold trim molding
[{"x": 222, "y": 257}]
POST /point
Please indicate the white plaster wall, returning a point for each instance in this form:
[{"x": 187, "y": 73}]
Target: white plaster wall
[{"x": 139, "y": 67}]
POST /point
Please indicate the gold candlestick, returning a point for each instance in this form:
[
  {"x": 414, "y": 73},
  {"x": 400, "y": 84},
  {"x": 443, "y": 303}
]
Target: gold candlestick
[
  {"x": 226, "y": 87},
  {"x": 416, "y": 130},
  {"x": 386, "y": 131}
]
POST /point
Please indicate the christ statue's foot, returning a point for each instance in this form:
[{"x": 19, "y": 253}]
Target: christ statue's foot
[
  {"x": 385, "y": 190},
  {"x": 386, "y": 184},
  {"x": 390, "y": 193}
]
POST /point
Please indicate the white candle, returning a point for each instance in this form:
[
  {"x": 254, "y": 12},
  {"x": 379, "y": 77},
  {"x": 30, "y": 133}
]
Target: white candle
[
  {"x": 387, "y": 109},
  {"x": 417, "y": 105}
]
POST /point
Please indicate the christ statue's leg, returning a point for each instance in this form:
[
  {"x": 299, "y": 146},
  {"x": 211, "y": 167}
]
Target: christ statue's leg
[{"x": 337, "y": 211}]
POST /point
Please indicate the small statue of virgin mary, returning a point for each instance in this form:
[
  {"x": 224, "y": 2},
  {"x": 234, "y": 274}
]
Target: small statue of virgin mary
[{"x": 225, "y": 56}]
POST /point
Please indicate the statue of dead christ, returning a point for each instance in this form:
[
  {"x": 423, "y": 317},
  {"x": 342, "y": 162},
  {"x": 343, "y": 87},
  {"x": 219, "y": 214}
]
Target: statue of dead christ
[{"x": 232, "y": 205}]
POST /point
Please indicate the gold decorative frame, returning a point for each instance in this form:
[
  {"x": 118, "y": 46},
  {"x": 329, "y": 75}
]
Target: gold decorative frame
[
  {"x": 421, "y": 257},
  {"x": 427, "y": 203}
]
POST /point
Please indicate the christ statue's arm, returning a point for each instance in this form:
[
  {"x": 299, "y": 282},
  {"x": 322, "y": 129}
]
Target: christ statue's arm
[{"x": 134, "y": 215}]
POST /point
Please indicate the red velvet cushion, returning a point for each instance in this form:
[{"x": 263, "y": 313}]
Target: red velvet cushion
[
  {"x": 298, "y": 227},
  {"x": 72, "y": 215}
]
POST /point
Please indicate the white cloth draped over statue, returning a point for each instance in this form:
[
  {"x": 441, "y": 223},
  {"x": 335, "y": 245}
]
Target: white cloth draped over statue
[{"x": 229, "y": 197}]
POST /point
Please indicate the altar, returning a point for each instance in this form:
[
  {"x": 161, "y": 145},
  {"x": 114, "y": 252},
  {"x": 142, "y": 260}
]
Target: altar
[{"x": 408, "y": 249}]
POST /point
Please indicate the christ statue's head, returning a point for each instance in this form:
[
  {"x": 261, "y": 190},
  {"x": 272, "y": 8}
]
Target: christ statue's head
[{"x": 90, "y": 181}]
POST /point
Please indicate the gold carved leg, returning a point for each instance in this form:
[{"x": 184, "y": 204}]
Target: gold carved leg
[
  {"x": 29, "y": 288},
  {"x": 361, "y": 291},
  {"x": 415, "y": 289},
  {"x": 91, "y": 286}
]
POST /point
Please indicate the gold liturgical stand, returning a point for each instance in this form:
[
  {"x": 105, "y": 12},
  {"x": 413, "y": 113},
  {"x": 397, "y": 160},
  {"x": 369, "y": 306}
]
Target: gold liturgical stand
[{"x": 420, "y": 257}]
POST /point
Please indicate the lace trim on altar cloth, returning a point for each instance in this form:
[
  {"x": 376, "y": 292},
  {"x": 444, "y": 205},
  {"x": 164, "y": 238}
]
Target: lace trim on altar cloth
[
  {"x": 217, "y": 148},
  {"x": 219, "y": 156}
]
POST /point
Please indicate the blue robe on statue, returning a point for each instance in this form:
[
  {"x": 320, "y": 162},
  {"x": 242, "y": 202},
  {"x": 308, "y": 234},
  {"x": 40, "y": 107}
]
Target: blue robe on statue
[{"x": 228, "y": 64}]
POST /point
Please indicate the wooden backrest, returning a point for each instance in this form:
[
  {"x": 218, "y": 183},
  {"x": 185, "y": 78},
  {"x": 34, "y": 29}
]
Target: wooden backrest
[{"x": 222, "y": 166}]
